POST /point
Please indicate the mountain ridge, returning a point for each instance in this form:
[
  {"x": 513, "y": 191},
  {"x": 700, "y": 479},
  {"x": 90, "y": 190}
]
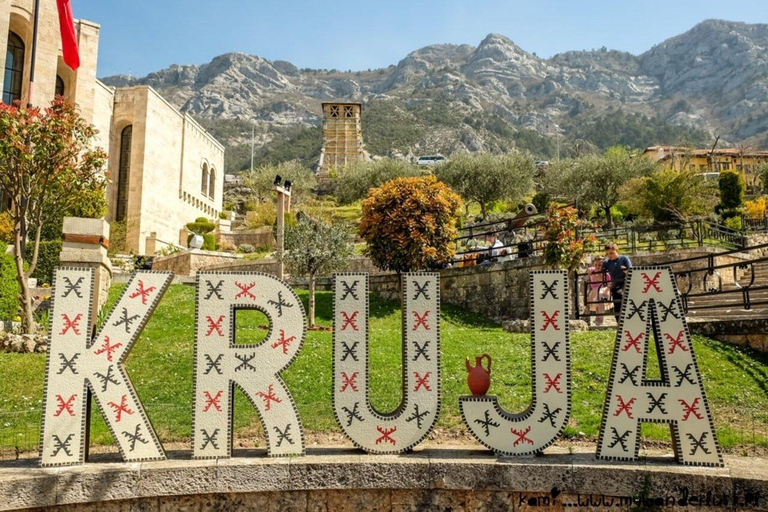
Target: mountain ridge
[{"x": 709, "y": 81}]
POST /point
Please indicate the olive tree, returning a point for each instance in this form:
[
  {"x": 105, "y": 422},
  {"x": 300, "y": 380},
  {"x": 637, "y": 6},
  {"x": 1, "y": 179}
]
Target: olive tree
[
  {"x": 261, "y": 181},
  {"x": 484, "y": 178},
  {"x": 313, "y": 248},
  {"x": 354, "y": 181}
]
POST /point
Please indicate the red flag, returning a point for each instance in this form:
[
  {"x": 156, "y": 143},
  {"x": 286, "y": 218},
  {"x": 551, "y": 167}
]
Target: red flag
[{"x": 68, "y": 35}]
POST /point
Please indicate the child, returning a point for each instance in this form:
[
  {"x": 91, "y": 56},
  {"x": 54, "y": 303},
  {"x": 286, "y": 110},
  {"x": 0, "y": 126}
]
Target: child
[
  {"x": 616, "y": 265},
  {"x": 599, "y": 281}
]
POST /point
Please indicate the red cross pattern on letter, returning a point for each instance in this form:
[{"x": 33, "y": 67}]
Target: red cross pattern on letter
[
  {"x": 651, "y": 282},
  {"x": 269, "y": 397},
  {"x": 553, "y": 383},
  {"x": 215, "y": 325},
  {"x": 349, "y": 321},
  {"x": 633, "y": 342},
  {"x": 107, "y": 348},
  {"x": 212, "y": 401},
  {"x": 550, "y": 320},
  {"x": 120, "y": 408},
  {"x": 676, "y": 342},
  {"x": 386, "y": 435},
  {"x": 349, "y": 382},
  {"x": 689, "y": 409},
  {"x": 624, "y": 406},
  {"x": 143, "y": 292},
  {"x": 62, "y": 406},
  {"x": 283, "y": 341},
  {"x": 421, "y": 320},
  {"x": 522, "y": 436},
  {"x": 422, "y": 382},
  {"x": 245, "y": 290},
  {"x": 71, "y": 323}
]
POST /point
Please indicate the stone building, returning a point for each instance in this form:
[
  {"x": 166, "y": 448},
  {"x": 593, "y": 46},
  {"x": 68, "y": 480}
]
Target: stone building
[
  {"x": 165, "y": 169},
  {"x": 342, "y": 136}
]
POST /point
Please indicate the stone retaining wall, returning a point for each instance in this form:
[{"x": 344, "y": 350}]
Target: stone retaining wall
[
  {"x": 187, "y": 263},
  {"x": 338, "y": 479},
  {"x": 751, "y": 333}
]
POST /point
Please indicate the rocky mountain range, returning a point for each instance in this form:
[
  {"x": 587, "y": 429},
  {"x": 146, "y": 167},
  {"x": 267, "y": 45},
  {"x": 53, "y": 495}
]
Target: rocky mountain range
[{"x": 710, "y": 81}]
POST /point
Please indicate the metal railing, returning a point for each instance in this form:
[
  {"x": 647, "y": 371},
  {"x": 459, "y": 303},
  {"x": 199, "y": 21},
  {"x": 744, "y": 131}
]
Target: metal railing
[{"x": 701, "y": 279}]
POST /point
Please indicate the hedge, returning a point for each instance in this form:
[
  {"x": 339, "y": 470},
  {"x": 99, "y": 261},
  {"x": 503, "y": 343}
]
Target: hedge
[
  {"x": 9, "y": 286},
  {"x": 47, "y": 260}
]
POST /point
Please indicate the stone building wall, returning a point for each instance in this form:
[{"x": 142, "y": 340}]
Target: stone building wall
[{"x": 168, "y": 152}]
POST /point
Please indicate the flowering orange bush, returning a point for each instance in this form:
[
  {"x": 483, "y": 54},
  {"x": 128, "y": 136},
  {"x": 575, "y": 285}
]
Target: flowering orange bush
[
  {"x": 410, "y": 224},
  {"x": 566, "y": 245}
]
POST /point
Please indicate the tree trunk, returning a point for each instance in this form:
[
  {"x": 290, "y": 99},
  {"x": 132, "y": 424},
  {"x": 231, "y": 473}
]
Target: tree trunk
[
  {"x": 28, "y": 320},
  {"x": 311, "y": 316},
  {"x": 608, "y": 217},
  {"x": 483, "y": 210}
]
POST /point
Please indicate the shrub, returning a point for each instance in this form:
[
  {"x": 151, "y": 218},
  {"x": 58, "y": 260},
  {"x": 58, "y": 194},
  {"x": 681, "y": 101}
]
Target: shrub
[
  {"x": 260, "y": 215},
  {"x": 354, "y": 181},
  {"x": 118, "y": 237},
  {"x": 564, "y": 248},
  {"x": 9, "y": 287},
  {"x": 757, "y": 208},
  {"x": 410, "y": 224},
  {"x": 734, "y": 223},
  {"x": 6, "y": 228},
  {"x": 201, "y": 226},
  {"x": 731, "y": 194},
  {"x": 209, "y": 242},
  {"x": 246, "y": 249}
]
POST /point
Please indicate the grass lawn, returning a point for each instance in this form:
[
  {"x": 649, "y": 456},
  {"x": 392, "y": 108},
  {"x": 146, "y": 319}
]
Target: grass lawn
[{"x": 736, "y": 380}]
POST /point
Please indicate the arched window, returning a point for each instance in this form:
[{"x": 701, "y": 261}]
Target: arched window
[
  {"x": 212, "y": 184},
  {"x": 59, "y": 86},
  {"x": 204, "y": 181},
  {"x": 14, "y": 69},
  {"x": 123, "y": 179}
]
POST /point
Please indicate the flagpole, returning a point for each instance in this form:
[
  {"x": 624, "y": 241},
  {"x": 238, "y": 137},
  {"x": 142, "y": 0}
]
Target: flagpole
[{"x": 34, "y": 55}]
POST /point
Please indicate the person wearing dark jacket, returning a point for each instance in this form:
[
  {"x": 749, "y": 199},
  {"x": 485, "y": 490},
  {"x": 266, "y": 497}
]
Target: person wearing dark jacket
[{"x": 616, "y": 266}]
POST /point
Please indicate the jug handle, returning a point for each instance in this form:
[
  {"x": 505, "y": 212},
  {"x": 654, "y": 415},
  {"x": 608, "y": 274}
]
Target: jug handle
[
  {"x": 486, "y": 356},
  {"x": 469, "y": 367}
]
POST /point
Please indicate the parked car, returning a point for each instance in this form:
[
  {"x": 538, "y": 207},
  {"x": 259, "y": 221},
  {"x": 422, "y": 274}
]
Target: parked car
[{"x": 430, "y": 161}]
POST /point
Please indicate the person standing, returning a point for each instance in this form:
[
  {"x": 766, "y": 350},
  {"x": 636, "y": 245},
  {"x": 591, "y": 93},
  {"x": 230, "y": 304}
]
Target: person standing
[
  {"x": 599, "y": 280},
  {"x": 616, "y": 265}
]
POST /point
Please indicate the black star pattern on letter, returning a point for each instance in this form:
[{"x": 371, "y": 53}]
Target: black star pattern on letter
[
  {"x": 636, "y": 310},
  {"x": 487, "y": 423},
  {"x": 699, "y": 443},
  {"x": 683, "y": 375},
  {"x": 550, "y": 415},
  {"x": 619, "y": 439},
  {"x": 280, "y": 303},
  {"x": 210, "y": 439},
  {"x": 70, "y": 364},
  {"x": 349, "y": 290},
  {"x": 126, "y": 320},
  {"x": 550, "y": 351},
  {"x": 245, "y": 362},
  {"x": 62, "y": 445},
  {"x": 107, "y": 379},
  {"x": 284, "y": 435},
  {"x": 349, "y": 351},
  {"x": 73, "y": 287},
  {"x": 549, "y": 289},
  {"x": 135, "y": 437},
  {"x": 214, "y": 290},
  {"x": 629, "y": 375},
  {"x": 656, "y": 403},
  {"x": 422, "y": 289},
  {"x": 352, "y": 415},
  {"x": 418, "y": 416},
  {"x": 421, "y": 351},
  {"x": 669, "y": 310},
  {"x": 212, "y": 364}
]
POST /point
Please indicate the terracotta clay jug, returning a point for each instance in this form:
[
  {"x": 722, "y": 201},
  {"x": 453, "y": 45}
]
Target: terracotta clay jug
[{"x": 479, "y": 378}]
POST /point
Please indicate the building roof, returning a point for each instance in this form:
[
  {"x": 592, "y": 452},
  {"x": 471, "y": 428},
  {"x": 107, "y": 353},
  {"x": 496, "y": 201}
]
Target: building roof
[{"x": 671, "y": 151}]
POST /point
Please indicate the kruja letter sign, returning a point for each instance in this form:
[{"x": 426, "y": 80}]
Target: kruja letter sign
[{"x": 80, "y": 367}]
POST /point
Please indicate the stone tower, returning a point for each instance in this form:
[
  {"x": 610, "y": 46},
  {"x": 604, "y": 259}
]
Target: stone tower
[{"x": 342, "y": 136}]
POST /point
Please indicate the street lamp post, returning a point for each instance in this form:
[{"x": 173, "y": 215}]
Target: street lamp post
[{"x": 283, "y": 206}]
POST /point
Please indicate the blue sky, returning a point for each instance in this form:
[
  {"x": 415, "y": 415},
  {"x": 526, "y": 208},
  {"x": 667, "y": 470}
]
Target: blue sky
[{"x": 141, "y": 36}]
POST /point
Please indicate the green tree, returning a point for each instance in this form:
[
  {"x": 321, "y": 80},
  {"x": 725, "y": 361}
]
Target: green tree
[
  {"x": 670, "y": 196},
  {"x": 262, "y": 178},
  {"x": 354, "y": 181},
  {"x": 596, "y": 180},
  {"x": 762, "y": 175},
  {"x": 46, "y": 163},
  {"x": 313, "y": 248},
  {"x": 410, "y": 224},
  {"x": 731, "y": 186},
  {"x": 565, "y": 245},
  {"x": 485, "y": 178}
]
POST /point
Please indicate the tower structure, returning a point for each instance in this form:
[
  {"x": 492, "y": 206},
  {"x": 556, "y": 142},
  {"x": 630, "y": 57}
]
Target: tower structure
[{"x": 342, "y": 136}]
